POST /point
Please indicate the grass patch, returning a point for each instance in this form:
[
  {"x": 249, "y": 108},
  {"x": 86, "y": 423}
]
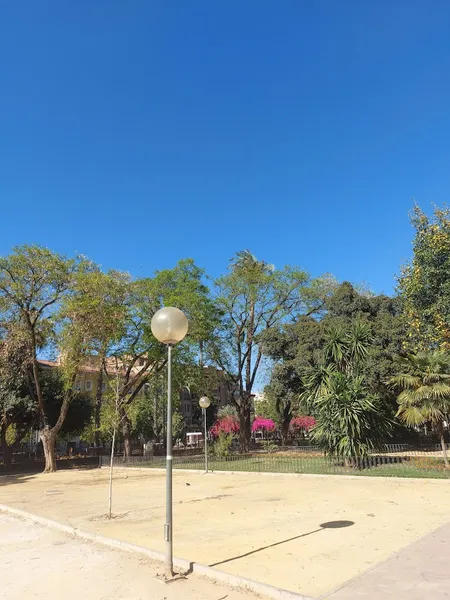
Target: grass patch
[{"x": 381, "y": 466}]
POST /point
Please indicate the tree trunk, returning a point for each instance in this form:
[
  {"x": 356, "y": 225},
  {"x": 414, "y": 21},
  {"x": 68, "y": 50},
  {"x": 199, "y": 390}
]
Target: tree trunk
[
  {"x": 126, "y": 430},
  {"x": 7, "y": 457},
  {"x": 443, "y": 446},
  {"x": 244, "y": 426},
  {"x": 7, "y": 454},
  {"x": 98, "y": 407},
  {"x": 48, "y": 438},
  {"x": 284, "y": 432},
  {"x": 111, "y": 466}
]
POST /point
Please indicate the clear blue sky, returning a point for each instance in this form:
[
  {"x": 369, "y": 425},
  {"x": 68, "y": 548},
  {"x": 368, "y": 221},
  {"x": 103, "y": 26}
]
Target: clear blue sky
[{"x": 144, "y": 131}]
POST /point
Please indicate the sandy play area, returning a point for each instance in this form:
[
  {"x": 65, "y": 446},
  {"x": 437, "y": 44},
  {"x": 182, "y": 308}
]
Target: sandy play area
[{"x": 303, "y": 533}]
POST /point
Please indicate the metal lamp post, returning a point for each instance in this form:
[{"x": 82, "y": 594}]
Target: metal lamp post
[
  {"x": 169, "y": 326},
  {"x": 205, "y": 402}
]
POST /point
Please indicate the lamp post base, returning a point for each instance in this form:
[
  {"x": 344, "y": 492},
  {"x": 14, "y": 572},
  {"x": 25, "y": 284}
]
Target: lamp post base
[{"x": 170, "y": 576}]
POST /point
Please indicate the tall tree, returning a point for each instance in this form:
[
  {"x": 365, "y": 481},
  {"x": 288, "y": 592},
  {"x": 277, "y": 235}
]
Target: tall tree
[
  {"x": 297, "y": 346},
  {"x": 17, "y": 410},
  {"x": 424, "y": 283},
  {"x": 252, "y": 297},
  {"x": 140, "y": 356},
  {"x": 33, "y": 283},
  {"x": 97, "y": 307},
  {"x": 425, "y": 391}
]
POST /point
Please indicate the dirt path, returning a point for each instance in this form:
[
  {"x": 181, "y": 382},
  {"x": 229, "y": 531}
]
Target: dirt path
[
  {"x": 301, "y": 533},
  {"x": 41, "y": 563}
]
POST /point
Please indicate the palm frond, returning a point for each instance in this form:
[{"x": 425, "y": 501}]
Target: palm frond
[
  {"x": 405, "y": 381},
  {"x": 411, "y": 415}
]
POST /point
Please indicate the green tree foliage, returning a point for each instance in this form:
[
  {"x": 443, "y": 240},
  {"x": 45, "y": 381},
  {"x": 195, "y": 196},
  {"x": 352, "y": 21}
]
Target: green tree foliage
[
  {"x": 136, "y": 355},
  {"x": 266, "y": 407},
  {"x": 17, "y": 410},
  {"x": 79, "y": 412},
  {"x": 281, "y": 403},
  {"x": 350, "y": 423},
  {"x": 350, "y": 419},
  {"x": 425, "y": 391},
  {"x": 297, "y": 346},
  {"x": 96, "y": 310},
  {"x": 222, "y": 445},
  {"x": 424, "y": 283},
  {"x": 34, "y": 283}
]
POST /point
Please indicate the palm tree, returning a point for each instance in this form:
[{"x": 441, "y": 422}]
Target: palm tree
[
  {"x": 246, "y": 263},
  {"x": 425, "y": 391},
  {"x": 350, "y": 423}
]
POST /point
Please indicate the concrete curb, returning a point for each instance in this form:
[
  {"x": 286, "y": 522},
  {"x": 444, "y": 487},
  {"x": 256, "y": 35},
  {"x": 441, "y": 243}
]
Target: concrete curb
[{"x": 185, "y": 565}]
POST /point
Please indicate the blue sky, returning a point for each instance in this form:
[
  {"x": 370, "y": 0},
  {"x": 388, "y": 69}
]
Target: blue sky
[{"x": 145, "y": 131}]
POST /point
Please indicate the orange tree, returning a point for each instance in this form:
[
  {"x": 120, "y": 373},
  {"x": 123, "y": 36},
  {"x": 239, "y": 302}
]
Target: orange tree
[{"x": 424, "y": 283}]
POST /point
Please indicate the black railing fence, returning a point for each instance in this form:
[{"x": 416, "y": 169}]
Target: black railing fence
[{"x": 393, "y": 460}]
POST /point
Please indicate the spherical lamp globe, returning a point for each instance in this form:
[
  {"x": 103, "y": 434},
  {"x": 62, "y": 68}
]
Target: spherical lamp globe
[
  {"x": 169, "y": 325},
  {"x": 204, "y": 402}
]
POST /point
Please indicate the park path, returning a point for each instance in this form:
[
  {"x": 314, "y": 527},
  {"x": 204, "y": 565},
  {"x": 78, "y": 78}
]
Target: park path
[
  {"x": 419, "y": 572},
  {"x": 38, "y": 562}
]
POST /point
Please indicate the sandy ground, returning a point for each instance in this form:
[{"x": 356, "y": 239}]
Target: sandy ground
[
  {"x": 38, "y": 562},
  {"x": 265, "y": 527}
]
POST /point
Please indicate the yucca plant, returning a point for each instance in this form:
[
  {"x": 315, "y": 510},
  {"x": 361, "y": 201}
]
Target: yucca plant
[
  {"x": 349, "y": 421},
  {"x": 345, "y": 349},
  {"x": 425, "y": 392}
]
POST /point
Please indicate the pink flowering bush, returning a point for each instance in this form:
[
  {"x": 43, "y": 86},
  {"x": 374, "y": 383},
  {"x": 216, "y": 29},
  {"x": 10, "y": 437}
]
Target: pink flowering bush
[
  {"x": 302, "y": 423},
  {"x": 227, "y": 425},
  {"x": 262, "y": 424}
]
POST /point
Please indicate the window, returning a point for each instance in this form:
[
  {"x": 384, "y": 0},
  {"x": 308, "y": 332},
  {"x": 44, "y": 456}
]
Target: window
[
  {"x": 88, "y": 386},
  {"x": 104, "y": 386},
  {"x": 78, "y": 385},
  {"x": 188, "y": 409}
]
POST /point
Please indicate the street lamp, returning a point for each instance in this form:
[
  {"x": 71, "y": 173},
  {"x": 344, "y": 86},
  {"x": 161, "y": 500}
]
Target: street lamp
[
  {"x": 169, "y": 326},
  {"x": 205, "y": 402}
]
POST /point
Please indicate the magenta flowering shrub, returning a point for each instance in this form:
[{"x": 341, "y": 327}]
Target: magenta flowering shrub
[
  {"x": 228, "y": 424},
  {"x": 262, "y": 424},
  {"x": 302, "y": 423}
]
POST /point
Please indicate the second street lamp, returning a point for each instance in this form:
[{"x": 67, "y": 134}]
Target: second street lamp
[
  {"x": 205, "y": 402},
  {"x": 169, "y": 326}
]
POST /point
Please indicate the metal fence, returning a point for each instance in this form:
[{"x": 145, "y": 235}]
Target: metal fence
[{"x": 394, "y": 460}]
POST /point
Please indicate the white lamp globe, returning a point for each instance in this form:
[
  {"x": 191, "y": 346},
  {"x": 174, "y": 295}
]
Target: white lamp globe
[
  {"x": 204, "y": 402},
  {"x": 169, "y": 325}
]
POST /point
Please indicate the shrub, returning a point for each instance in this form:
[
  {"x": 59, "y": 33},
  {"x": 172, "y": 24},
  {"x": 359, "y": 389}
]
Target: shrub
[
  {"x": 269, "y": 446},
  {"x": 302, "y": 423},
  {"x": 262, "y": 424},
  {"x": 222, "y": 445},
  {"x": 228, "y": 424}
]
